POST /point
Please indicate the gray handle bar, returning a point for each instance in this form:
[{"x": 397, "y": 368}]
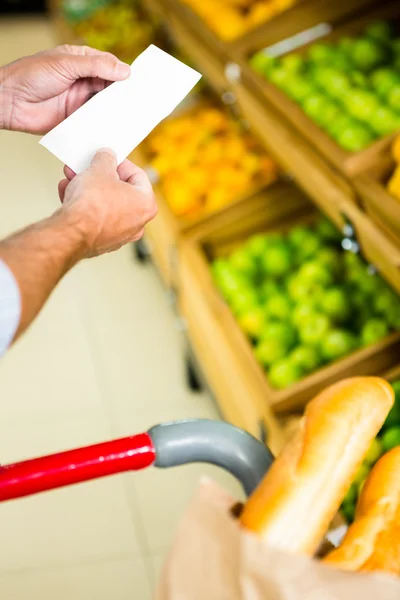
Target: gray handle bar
[{"x": 215, "y": 443}]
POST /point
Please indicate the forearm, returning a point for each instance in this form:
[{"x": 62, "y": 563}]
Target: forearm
[{"x": 38, "y": 257}]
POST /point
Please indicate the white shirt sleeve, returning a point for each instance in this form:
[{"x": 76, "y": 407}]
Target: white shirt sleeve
[{"x": 10, "y": 307}]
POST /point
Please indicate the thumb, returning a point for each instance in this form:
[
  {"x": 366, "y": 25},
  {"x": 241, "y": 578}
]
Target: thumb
[
  {"x": 105, "y": 161},
  {"x": 102, "y": 66}
]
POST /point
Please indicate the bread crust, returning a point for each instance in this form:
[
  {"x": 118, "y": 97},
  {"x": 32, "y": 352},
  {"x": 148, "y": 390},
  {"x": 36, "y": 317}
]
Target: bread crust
[
  {"x": 293, "y": 506},
  {"x": 372, "y": 542}
]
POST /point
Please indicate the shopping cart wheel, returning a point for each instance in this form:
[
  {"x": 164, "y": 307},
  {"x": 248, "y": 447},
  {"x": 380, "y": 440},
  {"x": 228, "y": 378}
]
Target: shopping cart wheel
[
  {"x": 140, "y": 251},
  {"x": 192, "y": 380}
]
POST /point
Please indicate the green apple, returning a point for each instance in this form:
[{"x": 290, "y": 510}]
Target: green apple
[
  {"x": 383, "y": 80},
  {"x": 336, "y": 344},
  {"x": 279, "y": 77},
  {"x": 268, "y": 351},
  {"x": 278, "y": 307},
  {"x": 314, "y": 330},
  {"x": 367, "y": 54},
  {"x": 384, "y": 121},
  {"x": 341, "y": 61},
  {"x": 297, "y": 235},
  {"x": 314, "y": 107},
  {"x": 329, "y": 114},
  {"x": 339, "y": 124},
  {"x": 268, "y": 288},
  {"x": 334, "y": 82},
  {"x": 303, "y": 312},
  {"x": 284, "y": 373},
  {"x": 391, "y": 438},
  {"x": 362, "y": 105},
  {"x": 301, "y": 290},
  {"x": 321, "y": 53},
  {"x": 374, "y": 453},
  {"x": 277, "y": 260},
  {"x": 256, "y": 245},
  {"x": 373, "y": 331},
  {"x": 384, "y": 301},
  {"x": 307, "y": 358},
  {"x": 315, "y": 273},
  {"x": 354, "y": 138},
  {"x": 284, "y": 332},
  {"x": 243, "y": 300},
  {"x": 243, "y": 262},
  {"x": 294, "y": 63},
  {"x": 262, "y": 62},
  {"x": 252, "y": 322},
  {"x": 298, "y": 88},
  {"x": 334, "y": 303},
  {"x": 309, "y": 247}
]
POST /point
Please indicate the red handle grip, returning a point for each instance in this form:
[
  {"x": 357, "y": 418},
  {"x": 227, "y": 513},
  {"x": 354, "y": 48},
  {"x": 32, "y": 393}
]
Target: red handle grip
[{"x": 75, "y": 466}]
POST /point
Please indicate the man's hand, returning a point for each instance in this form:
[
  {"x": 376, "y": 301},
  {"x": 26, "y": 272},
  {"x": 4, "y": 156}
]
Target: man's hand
[
  {"x": 110, "y": 206},
  {"x": 103, "y": 208},
  {"x": 38, "y": 92}
]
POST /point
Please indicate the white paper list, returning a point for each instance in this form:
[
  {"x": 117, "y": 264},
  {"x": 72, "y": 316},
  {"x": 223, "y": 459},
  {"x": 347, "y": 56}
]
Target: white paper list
[{"x": 122, "y": 116}]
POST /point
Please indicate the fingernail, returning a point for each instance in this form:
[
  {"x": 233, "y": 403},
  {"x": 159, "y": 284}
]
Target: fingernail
[{"x": 124, "y": 69}]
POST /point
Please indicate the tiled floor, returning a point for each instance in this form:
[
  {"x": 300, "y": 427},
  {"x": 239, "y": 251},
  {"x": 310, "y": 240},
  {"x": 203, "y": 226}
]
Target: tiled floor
[{"x": 102, "y": 360}]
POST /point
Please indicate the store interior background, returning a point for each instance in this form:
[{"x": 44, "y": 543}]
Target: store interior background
[{"x": 103, "y": 360}]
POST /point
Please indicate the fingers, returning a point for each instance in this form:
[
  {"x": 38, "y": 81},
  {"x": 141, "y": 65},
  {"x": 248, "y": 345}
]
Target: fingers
[
  {"x": 62, "y": 186},
  {"x": 134, "y": 175},
  {"x": 105, "y": 161},
  {"x": 101, "y": 65},
  {"x": 69, "y": 173}
]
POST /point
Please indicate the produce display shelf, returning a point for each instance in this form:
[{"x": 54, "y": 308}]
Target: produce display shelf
[
  {"x": 349, "y": 164},
  {"x": 194, "y": 273},
  {"x": 304, "y": 14},
  {"x": 182, "y": 253}
]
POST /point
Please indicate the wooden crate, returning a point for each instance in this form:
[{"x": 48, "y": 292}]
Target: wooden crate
[
  {"x": 240, "y": 384},
  {"x": 348, "y": 163},
  {"x": 303, "y": 15},
  {"x": 380, "y": 205}
]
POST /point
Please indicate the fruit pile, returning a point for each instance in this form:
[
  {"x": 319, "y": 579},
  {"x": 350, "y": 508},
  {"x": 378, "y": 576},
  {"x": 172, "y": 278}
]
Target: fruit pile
[
  {"x": 204, "y": 162},
  {"x": 303, "y": 301},
  {"x": 231, "y": 19},
  {"x": 112, "y": 27},
  {"x": 388, "y": 438},
  {"x": 350, "y": 88}
]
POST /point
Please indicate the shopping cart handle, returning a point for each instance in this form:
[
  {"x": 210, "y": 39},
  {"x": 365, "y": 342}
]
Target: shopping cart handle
[
  {"x": 163, "y": 446},
  {"x": 213, "y": 442}
]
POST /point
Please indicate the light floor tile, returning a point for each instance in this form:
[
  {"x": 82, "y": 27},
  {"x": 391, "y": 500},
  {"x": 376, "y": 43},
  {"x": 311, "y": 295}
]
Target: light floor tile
[
  {"x": 85, "y": 521},
  {"x": 119, "y": 579}
]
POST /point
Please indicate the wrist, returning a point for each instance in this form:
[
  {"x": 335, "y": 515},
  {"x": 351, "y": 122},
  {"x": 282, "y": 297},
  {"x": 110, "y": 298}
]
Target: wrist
[{"x": 71, "y": 231}]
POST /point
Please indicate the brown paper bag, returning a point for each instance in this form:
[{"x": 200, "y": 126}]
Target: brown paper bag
[{"x": 212, "y": 558}]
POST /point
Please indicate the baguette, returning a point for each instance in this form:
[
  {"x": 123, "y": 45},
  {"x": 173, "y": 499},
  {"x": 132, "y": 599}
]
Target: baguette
[
  {"x": 293, "y": 506},
  {"x": 372, "y": 542}
]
